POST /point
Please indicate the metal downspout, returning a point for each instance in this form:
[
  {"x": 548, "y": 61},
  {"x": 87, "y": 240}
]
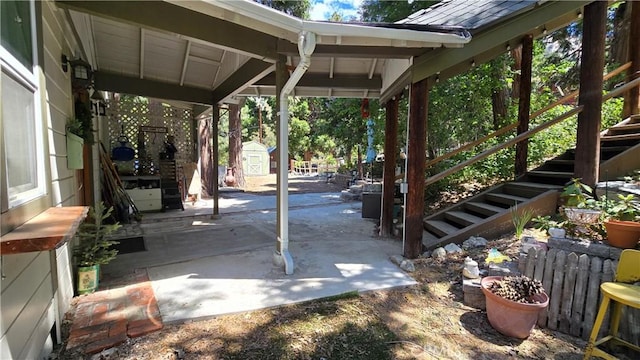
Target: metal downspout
[{"x": 306, "y": 46}]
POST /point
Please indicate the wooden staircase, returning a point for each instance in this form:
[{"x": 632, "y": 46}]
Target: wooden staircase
[{"x": 488, "y": 214}]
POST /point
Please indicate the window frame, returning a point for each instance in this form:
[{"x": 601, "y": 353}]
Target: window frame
[{"x": 30, "y": 79}]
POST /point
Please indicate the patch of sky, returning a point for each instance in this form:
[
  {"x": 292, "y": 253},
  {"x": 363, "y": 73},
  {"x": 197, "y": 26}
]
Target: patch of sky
[{"x": 323, "y": 9}]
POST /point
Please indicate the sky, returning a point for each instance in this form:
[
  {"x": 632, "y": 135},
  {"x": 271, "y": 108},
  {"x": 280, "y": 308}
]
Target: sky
[{"x": 322, "y": 9}]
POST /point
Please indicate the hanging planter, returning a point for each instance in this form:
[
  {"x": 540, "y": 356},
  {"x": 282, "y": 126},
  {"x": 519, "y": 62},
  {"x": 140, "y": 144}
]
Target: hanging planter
[{"x": 509, "y": 317}]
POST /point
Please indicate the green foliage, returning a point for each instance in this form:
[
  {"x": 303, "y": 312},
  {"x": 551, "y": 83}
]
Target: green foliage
[
  {"x": 625, "y": 208},
  {"x": 576, "y": 194},
  {"x": 298, "y": 8},
  {"x": 520, "y": 219},
  {"x": 92, "y": 246},
  {"x": 546, "y": 222}
]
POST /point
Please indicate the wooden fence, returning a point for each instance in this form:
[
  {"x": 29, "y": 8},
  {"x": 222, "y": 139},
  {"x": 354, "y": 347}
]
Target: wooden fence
[{"x": 573, "y": 285}]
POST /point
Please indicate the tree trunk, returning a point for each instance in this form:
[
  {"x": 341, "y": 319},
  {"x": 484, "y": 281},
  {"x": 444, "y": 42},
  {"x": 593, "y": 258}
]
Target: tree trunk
[
  {"x": 235, "y": 145},
  {"x": 591, "y": 66},
  {"x": 360, "y": 167},
  {"x": 206, "y": 155},
  {"x": 498, "y": 93}
]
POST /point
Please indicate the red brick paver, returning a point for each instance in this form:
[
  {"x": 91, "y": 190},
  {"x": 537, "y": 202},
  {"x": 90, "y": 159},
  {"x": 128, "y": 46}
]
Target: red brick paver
[{"x": 121, "y": 309}]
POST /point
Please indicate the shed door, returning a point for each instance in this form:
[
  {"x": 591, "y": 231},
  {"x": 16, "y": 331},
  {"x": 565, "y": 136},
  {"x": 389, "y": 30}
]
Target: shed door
[{"x": 254, "y": 163}]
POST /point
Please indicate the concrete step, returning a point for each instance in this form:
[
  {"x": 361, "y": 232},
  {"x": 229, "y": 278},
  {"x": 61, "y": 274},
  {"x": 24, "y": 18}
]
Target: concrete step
[
  {"x": 439, "y": 227},
  {"x": 462, "y": 218}
]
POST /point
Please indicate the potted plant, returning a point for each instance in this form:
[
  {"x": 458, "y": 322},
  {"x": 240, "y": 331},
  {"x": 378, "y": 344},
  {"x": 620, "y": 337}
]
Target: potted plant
[
  {"x": 579, "y": 208},
  {"x": 92, "y": 247},
  {"x": 513, "y": 303},
  {"x": 622, "y": 224}
]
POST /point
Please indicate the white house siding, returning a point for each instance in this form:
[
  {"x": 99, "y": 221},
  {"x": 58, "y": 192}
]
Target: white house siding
[{"x": 38, "y": 287}]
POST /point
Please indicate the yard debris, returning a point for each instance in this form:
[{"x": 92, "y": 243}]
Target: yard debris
[
  {"x": 474, "y": 242},
  {"x": 453, "y": 248}
]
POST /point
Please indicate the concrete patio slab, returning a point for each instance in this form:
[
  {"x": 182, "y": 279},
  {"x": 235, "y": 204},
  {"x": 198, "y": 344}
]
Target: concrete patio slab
[{"x": 201, "y": 267}]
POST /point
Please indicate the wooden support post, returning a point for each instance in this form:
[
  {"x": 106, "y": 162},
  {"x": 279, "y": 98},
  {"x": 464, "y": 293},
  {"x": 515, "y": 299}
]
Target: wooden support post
[
  {"x": 416, "y": 166},
  {"x": 215, "y": 162},
  {"x": 524, "y": 105},
  {"x": 390, "y": 155},
  {"x": 587, "y": 161},
  {"x": 632, "y": 98}
]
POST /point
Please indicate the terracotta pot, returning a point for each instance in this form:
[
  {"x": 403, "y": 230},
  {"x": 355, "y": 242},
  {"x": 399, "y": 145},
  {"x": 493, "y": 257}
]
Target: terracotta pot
[
  {"x": 511, "y": 318},
  {"x": 230, "y": 179},
  {"x": 622, "y": 234}
]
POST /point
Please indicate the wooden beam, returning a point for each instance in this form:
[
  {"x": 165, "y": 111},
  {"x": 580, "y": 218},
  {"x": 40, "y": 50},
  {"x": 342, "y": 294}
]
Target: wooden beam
[
  {"x": 489, "y": 43},
  {"x": 524, "y": 105},
  {"x": 416, "y": 160},
  {"x": 247, "y": 74},
  {"x": 164, "y": 16},
  {"x": 633, "y": 96},
  {"x": 390, "y": 154},
  {"x": 344, "y": 81},
  {"x": 587, "y": 161},
  {"x": 185, "y": 63},
  {"x": 144, "y": 87}
]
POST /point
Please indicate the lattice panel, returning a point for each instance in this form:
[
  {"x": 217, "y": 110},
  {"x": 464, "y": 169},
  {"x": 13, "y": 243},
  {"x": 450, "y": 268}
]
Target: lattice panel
[{"x": 127, "y": 113}]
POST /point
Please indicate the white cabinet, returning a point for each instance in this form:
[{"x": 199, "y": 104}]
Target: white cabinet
[{"x": 145, "y": 191}]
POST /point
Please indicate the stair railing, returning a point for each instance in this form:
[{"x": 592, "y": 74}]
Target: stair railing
[
  {"x": 524, "y": 135},
  {"x": 493, "y": 150}
]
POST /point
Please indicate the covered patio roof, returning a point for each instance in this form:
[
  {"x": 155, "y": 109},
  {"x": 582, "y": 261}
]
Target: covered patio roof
[{"x": 212, "y": 51}]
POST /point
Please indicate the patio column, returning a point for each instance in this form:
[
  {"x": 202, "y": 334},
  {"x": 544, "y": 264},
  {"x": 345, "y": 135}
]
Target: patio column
[
  {"x": 415, "y": 169},
  {"x": 282, "y": 75},
  {"x": 216, "y": 160},
  {"x": 389, "y": 173},
  {"x": 633, "y": 96},
  {"x": 587, "y": 160},
  {"x": 524, "y": 105}
]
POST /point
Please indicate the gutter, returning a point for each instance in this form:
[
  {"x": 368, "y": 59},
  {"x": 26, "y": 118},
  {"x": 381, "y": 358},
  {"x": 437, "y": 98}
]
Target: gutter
[
  {"x": 306, "y": 46},
  {"x": 233, "y": 10}
]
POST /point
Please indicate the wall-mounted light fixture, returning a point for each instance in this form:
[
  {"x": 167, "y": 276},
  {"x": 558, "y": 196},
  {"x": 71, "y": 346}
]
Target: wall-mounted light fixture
[{"x": 81, "y": 72}]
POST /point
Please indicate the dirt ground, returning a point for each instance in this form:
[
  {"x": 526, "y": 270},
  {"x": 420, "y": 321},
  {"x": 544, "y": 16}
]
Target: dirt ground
[
  {"x": 425, "y": 321},
  {"x": 266, "y": 185}
]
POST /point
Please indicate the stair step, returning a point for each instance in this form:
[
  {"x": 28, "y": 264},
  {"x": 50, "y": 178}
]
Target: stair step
[
  {"x": 560, "y": 161},
  {"x": 620, "y": 137},
  {"x": 440, "y": 228},
  {"x": 462, "y": 218},
  {"x": 428, "y": 239},
  {"x": 505, "y": 199},
  {"x": 528, "y": 189},
  {"x": 625, "y": 128},
  {"x": 483, "y": 208},
  {"x": 553, "y": 174}
]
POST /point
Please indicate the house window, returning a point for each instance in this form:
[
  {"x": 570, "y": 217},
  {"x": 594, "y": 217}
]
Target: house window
[{"x": 22, "y": 150}]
